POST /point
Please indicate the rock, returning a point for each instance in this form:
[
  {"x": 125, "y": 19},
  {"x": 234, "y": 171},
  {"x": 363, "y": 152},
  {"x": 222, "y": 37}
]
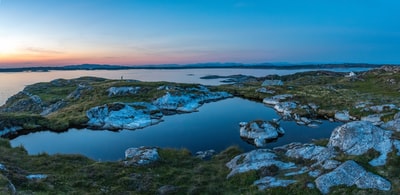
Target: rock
[
  {"x": 23, "y": 102},
  {"x": 319, "y": 154},
  {"x": 299, "y": 172},
  {"x": 348, "y": 174},
  {"x": 272, "y": 83},
  {"x": 285, "y": 108},
  {"x": 374, "y": 119},
  {"x": 188, "y": 102},
  {"x": 396, "y": 144},
  {"x": 54, "y": 107},
  {"x": 10, "y": 130},
  {"x": 396, "y": 116},
  {"x": 272, "y": 182},
  {"x": 310, "y": 185},
  {"x": 77, "y": 93},
  {"x": 2, "y": 167},
  {"x": 314, "y": 173},
  {"x": 342, "y": 116},
  {"x": 118, "y": 116},
  {"x": 6, "y": 187},
  {"x": 205, "y": 155},
  {"x": 167, "y": 189},
  {"x": 356, "y": 138},
  {"x": 382, "y": 108},
  {"x": 141, "y": 156},
  {"x": 393, "y": 125},
  {"x": 265, "y": 90},
  {"x": 330, "y": 164},
  {"x": 276, "y": 99},
  {"x": 259, "y": 132},
  {"x": 36, "y": 176},
  {"x": 121, "y": 91},
  {"x": 255, "y": 160}
]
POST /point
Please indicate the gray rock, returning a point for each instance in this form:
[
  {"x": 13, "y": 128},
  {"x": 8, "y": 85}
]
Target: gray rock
[
  {"x": 276, "y": 99},
  {"x": 36, "y": 176},
  {"x": 77, "y": 93},
  {"x": 141, "y": 156},
  {"x": 2, "y": 167},
  {"x": 265, "y": 90},
  {"x": 374, "y": 119},
  {"x": 393, "y": 125},
  {"x": 123, "y": 116},
  {"x": 259, "y": 132},
  {"x": 205, "y": 155},
  {"x": 272, "y": 83},
  {"x": 382, "y": 108},
  {"x": 310, "y": 185},
  {"x": 272, "y": 182},
  {"x": 396, "y": 144},
  {"x": 396, "y": 116},
  {"x": 285, "y": 107},
  {"x": 314, "y": 173},
  {"x": 167, "y": 189},
  {"x": 342, "y": 116},
  {"x": 54, "y": 107},
  {"x": 255, "y": 160},
  {"x": 330, "y": 164},
  {"x": 299, "y": 172},
  {"x": 356, "y": 138},
  {"x": 350, "y": 173},
  {"x": 319, "y": 154},
  {"x": 121, "y": 91}
]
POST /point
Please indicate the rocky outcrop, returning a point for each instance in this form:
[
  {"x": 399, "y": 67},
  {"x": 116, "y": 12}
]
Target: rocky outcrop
[
  {"x": 117, "y": 116},
  {"x": 188, "y": 101},
  {"x": 121, "y": 91},
  {"x": 272, "y": 182},
  {"x": 205, "y": 155},
  {"x": 272, "y": 83},
  {"x": 260, "y": 132},
  {"x": 373, "y": 118},
  {"x": 255, "y": 160},
  {"x": 276, "y": 99},
  {"x": 382, "y": 108},
  {"x": 79, "y": 91},
  {"x": 343, "y": 116},
  {"x": 356, "y": 138},
  {"x": 348, "y": 174},
  {"x": 265, "y": 90},
  {"x": 54, "y": 107},
  {"x": 23, "y": 102},
  {"x": 10, "y": 130},
  {"x": 141, "y": 156},
  {"x": 393, "y": 125},
  {"x": 285, "y": 108},
  {"x": 318, "y": 154}
]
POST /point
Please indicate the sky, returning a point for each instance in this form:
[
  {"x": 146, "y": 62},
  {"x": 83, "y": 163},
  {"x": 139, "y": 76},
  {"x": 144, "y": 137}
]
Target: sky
[{"x": 142, "y": 32}]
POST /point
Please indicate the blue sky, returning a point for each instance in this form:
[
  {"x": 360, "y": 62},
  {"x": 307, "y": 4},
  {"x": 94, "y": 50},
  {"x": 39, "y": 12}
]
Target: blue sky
[{"x": 129, "y": 32}]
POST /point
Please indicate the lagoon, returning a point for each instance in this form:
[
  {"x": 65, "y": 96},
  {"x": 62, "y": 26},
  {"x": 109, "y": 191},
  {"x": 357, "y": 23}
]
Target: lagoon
[{"x": 214, "y": 126}]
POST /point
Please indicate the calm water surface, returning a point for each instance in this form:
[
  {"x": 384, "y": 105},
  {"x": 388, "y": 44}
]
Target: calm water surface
[{"x": 215, "y": 126}]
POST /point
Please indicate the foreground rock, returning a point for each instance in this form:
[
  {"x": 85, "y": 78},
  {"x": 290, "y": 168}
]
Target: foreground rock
[
  {"x": 255, "y": 160},
  {"x": 260, "y": 132},
  {"x": 141, "y": 156},
  {"x": 348, "y": 174},
  {"x": 272, "y": 182},
  {"x": 123, "y": 116},
  {"x": 358, "y": 137}
]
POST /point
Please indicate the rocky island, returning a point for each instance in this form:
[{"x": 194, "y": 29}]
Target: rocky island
[{"x": 361, "y": 156}]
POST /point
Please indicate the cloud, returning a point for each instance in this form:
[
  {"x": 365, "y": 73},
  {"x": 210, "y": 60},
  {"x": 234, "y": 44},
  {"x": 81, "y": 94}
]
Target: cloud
[{"x": 42, "y": 50}]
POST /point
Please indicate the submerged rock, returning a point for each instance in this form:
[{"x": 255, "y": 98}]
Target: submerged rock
[
  {"x": 255, "y": 160},
  {"x": 141, "y": 156},
  {"x": 272, "y": 182},
  {"x": 260, "y": 132},
  {"x": 356, "y": 138},
  {"x": 348, "y": 174}
]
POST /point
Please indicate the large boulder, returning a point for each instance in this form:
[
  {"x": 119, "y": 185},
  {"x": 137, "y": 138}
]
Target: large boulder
[
  {"x": 358, "y": 137},
  {"x": 255, "y": 160},
  {"x": 141, "y": 156},
  {"x": 260, "y": 132},
  {"x": 348, "y": 174},
  {"x": 118, "y": 116}
]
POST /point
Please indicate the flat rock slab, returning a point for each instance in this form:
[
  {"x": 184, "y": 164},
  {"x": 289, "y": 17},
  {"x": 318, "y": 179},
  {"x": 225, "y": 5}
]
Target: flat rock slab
[{"x": 350, "y": 173}]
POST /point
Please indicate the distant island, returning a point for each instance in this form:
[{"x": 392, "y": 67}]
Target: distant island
[{"x": 281, "y": 66}]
